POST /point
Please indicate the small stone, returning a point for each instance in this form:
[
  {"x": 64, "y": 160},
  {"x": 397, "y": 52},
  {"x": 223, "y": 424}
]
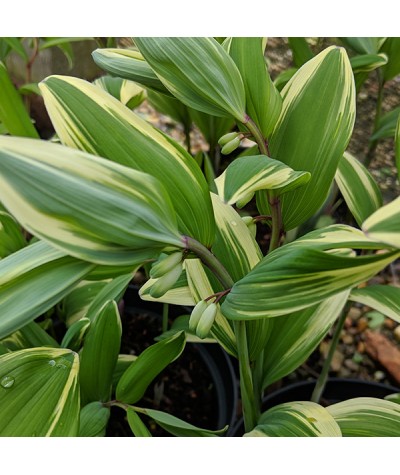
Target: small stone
[
  {"x": 348, "y": 323},
  {"x": 389, "y": 323},
  {"x": 347, "y": 339},
  {"x": 351, "y": 365},
  {"x": 362, "y": 324},
  {"x": 396, "y": 333},
  {"x": 344, "y": 373},
  {"x": 361, "y": 347},
  {"x": 379, "y": 375},
  {"x": 354, "y": 313},
  {"x": 337, "y": 361}
]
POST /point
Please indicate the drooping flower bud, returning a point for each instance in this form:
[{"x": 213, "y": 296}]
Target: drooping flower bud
[
  {"x": 227, "y": 138},
  {"x": 206, "y": 321},
  {"x": 251, "y": 224},
  {"x": 230, "y": 146},
  {"x": 164, "y": 265},
  {"x": 165, "y": 282},
  {"x": 196, "y": 314}
]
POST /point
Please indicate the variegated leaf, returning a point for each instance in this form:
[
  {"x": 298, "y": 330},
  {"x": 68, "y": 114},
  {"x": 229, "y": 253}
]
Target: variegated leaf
[
  {"x": 368, "y": 62},
  {"x": 246, "y": 175},
  {"x": 100, "y": 353},
  {"x": 358, "y": 187},
  {"x": 127, "y": 92},
  {"x": 391, "y": 47},
  {"x": 90, "y": 207},
  {"x": 128, "y": 64},
  {"x": 294, "y": 337},
  {"x": 263, "y": 101},
  {"x": 367, "y": 417},
  {"x": 39, "y": 393},
  {"x": 397, "y": 146},
  {"x": 11, "y": 237},
  {"x": 198, "y": 72},
  {"x": 387, "y": 125},
  {"x": 364, "y": 45},
  {"x": 29, "y": 336},
  {"x": 383, "y": 298},
  {"x": 32, "y": 281},
  {"x": 120, "y": 135},
  {"x": 296, "y": 277},
  {"x": 296, "y": 419},
  {"x": 384, "y": 224},
  {"x": 323, "y": 92}
]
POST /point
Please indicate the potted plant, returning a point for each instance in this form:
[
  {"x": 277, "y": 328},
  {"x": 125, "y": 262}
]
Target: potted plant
[{"x": 118, "y": 195}]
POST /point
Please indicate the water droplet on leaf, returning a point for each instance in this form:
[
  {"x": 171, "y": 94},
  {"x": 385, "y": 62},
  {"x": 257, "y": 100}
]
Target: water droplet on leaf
[
  {"x": 234, "y": 223},
  {"x": 52, "y": 363},
  {"x": 7, "y": 382}
]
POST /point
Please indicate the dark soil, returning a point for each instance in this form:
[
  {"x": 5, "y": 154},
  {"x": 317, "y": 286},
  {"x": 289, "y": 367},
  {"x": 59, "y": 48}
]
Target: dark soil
[{"x": 184, "y": 389}]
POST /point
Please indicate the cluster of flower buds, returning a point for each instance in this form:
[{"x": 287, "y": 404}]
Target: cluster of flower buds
[
  {"x": 167, "y": 271},
  {"x": 230, "y": 142},
  {"x": 202, "y": 318}
]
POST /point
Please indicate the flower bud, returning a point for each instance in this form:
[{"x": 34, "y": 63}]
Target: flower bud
[
  {"x": 227, "y": 138},
  {"x": 230, "y": 146},
  {"x": 196, "y": 314},
  {"x": 165, "y": 282},
  {"x": 206, "y": 321},
  {"x": 251, "y": 224},
  {"x": 162, "y": 266}
]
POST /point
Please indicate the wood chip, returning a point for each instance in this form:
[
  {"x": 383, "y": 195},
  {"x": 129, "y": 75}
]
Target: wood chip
[{"x": 384, "y": 351}]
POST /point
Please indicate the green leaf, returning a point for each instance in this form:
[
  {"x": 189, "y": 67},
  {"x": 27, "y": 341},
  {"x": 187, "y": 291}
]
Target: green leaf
[
  {"x": 32, "y": 281},
  {"x": 11, "y": 237},
  {"x": 198, "y": 72},
  {"x": 30, "y": 88},
  {"x": 296, "y": 419},
  {"x": 75, "y": 334},
  {"x": 294, "y": 337},
  {"x": 170, "y": 106},
  {"x": 383, "y": 298},
  {"x": 368, "y": 62},
  {"x": 17, "y": 46},
  {"x": 296, "y": 277},
  {"x": 75, "y": 305},
  {"x": 364, "y": 45},
  {"x": 123, "y": 362},
  {"x": 397, "y": 146},
  {"x": 134, "y": 382},
  {"x": 128, "y": 64},
  {"x": 93, "y": 420},
  {"x": 29, "y": 336},
  {"x": 120, "y": 135},
  {"x": 392, "y": 49},
  {"x": 91, "y": 208},
  {"x": 211, "y": 127},
  {"x": 387, "y": 125},
  {"x": 100, "y": 353},
  {"x": 178, "y": 427},
  {"x": 136, "y": 424},
  {"x": 301, "y": 50},
  {"x": 384, "y": 224},
  {"x": 359, "y": 189},
  {"x": 127, "y": 92},
  {"x": 367, "y": 417},
  {"x": 246, "y": 175},
  {"x": 284, "y": 77},
  {"x": 12, "y": 110},
  {"x": 323, "y": 92},
  {"x": 263, "y": 101},
  {"x": 39, "y": 393}
]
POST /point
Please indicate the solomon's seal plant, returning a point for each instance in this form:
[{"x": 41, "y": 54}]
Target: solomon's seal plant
[{"x": 116, "y": 194}]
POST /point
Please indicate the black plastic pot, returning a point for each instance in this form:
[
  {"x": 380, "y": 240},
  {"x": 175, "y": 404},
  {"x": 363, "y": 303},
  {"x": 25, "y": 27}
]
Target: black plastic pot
[
  {"x": 336, "y": 390},
  {"x": 214, "y": 358}
]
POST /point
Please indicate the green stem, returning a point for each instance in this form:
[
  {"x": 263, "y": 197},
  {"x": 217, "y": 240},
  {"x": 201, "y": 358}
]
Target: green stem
[
  {"x": 250, "y": 407},
  {"x": 165, "y": 317},
  {"x": 258, "y": 136},
  {"x": 208, "y": 258},
  {"x": 251, "y": 410},
  {"x": 378, "y": 113},
  {"x": 321, "y": 381}
]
